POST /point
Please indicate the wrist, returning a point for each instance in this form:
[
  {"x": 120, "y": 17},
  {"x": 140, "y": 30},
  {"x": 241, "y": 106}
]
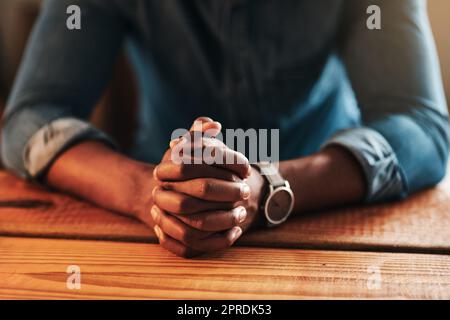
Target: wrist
[
  {"x": 260, "y": 189},
  {"x": 141, "y": 200},
  {"x": 326, "y": 179}
]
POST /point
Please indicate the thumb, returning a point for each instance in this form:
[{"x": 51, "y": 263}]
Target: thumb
[{"x": 205, "y": 125}]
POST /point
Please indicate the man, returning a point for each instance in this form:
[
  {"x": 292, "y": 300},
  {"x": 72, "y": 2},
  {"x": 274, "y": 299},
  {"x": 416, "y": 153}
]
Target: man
[{"x": 361, "y": 113}]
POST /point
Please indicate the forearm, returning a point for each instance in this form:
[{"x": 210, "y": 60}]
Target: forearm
[
  {"x": 397, "y": 83},
  {"x": 326, "y": 179},
  {"x": 94, "y": 172}
]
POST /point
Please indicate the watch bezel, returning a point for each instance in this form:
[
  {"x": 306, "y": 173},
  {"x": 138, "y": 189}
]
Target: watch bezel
[{"x": 273, "y": 192}]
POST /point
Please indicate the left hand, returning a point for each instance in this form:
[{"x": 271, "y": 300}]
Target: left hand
[{"x": 190, "y": 230}]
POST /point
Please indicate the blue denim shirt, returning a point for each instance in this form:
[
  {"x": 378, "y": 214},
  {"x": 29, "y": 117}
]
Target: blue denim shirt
[{"x": 310, "y": 68}]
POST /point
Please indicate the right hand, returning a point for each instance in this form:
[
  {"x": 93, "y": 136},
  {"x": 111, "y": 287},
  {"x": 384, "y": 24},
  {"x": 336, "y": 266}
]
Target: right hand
[{"x": 197, "y": 206}]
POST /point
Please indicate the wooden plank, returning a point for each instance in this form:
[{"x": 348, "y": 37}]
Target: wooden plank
[
  {"x": 419, "y": 224},
  {"x": 36, "y": 268},
  {"x": 29, "y": 210}
]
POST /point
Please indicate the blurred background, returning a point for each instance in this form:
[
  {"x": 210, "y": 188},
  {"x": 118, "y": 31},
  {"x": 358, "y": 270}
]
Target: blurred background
[
  {"x": 439, "y": 11},
  {"x": 115, "y": 112}
]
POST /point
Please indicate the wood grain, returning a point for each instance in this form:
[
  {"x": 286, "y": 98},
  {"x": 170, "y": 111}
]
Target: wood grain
[
  {"x": 36, "y": 268},
  {"x": 419, "y": 224},
  {"x": 29, "y": 210}
]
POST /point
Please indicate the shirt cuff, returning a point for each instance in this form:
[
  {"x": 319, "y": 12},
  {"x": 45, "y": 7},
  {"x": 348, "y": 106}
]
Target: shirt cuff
[
  {"x": 53, "y": 139},
  {"x": 382, "y": 171}
]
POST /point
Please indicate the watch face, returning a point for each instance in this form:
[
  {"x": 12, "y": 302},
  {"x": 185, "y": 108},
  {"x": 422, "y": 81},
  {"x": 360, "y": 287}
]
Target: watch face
[{"x": 279, "y": 205}]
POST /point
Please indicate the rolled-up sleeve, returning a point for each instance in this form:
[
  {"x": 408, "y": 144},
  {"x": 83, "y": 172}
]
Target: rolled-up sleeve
[
  {"x": 402, "y": 144},
  {"x": 61, "y": 77},
  {"x": 54, "y": 138}
]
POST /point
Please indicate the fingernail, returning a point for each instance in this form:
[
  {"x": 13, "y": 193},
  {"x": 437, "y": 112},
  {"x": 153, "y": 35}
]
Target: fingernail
[
  {"x": 155, "y": 173},
  {"x": 242, "y": 214},
  {"x": 154, "y": 213},
  {"x": 173, "y": 143},
  {"x": 237, "y": 233},
  {"x": 245, "y": 191},
  {"x": 153, "y": 192},
  {"x": 158, "y": 232}
]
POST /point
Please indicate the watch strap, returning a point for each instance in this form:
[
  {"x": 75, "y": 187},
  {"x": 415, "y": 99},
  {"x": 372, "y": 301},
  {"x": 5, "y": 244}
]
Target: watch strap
[{"x": 271, "y": 173}]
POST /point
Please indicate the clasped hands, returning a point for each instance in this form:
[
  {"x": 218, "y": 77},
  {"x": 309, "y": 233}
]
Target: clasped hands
[{"x": 200, "y": 208}]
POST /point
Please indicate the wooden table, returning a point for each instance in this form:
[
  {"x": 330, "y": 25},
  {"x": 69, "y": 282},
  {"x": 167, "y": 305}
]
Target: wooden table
[{"x": 399, "y": 250}]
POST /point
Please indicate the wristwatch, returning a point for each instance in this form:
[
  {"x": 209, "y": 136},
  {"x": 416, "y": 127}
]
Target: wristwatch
[{"x": 279, "y": 202}]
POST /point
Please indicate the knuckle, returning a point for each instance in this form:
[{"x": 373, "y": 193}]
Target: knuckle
[
  {"x": 197, "y": 223},
  {"x": 205, "y": 188},
  {"x": 186, "y": 252},
  {"x": 186, "y": 235},
  {"x": 183, "y": 204},
  {"x": 180, "y": 169},
  {"x": 177, "y": 206}
]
